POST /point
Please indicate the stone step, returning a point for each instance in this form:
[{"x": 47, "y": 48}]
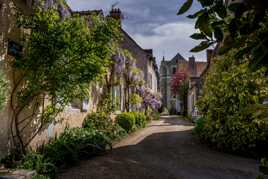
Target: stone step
[{"x": 16, "y": 174}]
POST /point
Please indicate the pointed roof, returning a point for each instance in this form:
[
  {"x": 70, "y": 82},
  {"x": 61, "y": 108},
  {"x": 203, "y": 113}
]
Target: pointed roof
[{"x": 178, "y": 57}]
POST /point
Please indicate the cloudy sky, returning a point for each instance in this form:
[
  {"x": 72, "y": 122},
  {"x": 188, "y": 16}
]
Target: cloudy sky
[{"x": 152, "y": 23}]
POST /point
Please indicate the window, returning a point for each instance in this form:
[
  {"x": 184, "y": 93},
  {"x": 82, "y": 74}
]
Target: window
[
  {"x": 81, "y": 105},
  {"x": 174, "y": 70},
  {"x": 116, "y": 97},
  {"x": 150, "y": 81}
]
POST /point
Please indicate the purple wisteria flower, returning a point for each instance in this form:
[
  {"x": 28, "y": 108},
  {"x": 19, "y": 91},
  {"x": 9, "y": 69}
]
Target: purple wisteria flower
[
  {"x": 48, "y": 4},
  {"x": 63, "y": 11},
  {"x": 149, "y": 99},
  {"x": 119, "y": 63}
]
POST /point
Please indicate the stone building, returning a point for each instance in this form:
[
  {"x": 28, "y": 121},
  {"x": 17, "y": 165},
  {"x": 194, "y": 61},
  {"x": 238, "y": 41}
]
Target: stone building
[
  {"x": 74, "y": 114},
  {"x": 167, "y": 69},
  {"x": 145, "y": 60}
]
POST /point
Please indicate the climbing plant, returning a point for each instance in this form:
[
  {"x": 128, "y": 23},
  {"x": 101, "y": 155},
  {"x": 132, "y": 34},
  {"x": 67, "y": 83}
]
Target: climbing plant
[
  {"x": 62, "y": 56},
  {"x": 180, "y": 86},
  {"x": 3, "y": 90},
  {"x": 132, "y": 77}
]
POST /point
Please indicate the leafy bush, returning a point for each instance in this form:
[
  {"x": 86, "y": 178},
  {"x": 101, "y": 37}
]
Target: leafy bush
[
  {"x": 199, "y": 126},
  {"x": 233, "y": 119},
  {"x": 126, "y": 121},
  {"x": 74, "y": 144},
  {"x": 153, "y": 115},
  {"x": 264, "y": 166},
  {"x": 40, "y": 177},
  {"x": 99, "y": 120},
  {"x": 102, "y": 122},
  {"x": 37, "y": 162},
  {"x": 156, "y": 116},
  {"x": 140, "y": 119}
]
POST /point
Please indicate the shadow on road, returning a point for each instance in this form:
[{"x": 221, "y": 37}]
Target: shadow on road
[{"x": 164, "y": 155}]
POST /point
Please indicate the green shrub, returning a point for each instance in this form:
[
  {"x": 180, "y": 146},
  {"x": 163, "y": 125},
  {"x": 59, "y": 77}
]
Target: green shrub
[
  {"x": 74, "y": 144},
  {"x": 40, "y": 177},
  {"x": 37, "y": 162},
  {"x": 234, "y": 120},
  {"x": 140, "y": 119},
  {"x": 156, "y": 116},
  {"x": 199, "y": 126},
  {"x": 99, "y": 120},
  {"x": 68, "y": 148},
  {"x": 102, "y": 122},
  {"x": 126, "y": 121},
  {"x": 116, "y": 132},
  {"x": 153, "y": 116}
]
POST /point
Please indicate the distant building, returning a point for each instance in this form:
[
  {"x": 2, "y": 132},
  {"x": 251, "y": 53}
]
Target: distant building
[{"x": 167, "y": 69}]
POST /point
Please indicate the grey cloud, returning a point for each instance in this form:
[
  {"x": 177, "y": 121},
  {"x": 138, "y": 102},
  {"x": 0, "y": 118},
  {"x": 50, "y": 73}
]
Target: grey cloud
[{"x": 151, "y": 21}]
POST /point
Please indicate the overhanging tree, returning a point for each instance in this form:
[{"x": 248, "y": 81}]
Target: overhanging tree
[
  {"x": 62, "y": 56},
  {"x": 231, "y": 25}
]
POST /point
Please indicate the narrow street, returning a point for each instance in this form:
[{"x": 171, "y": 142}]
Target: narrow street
[{"x": 166, "y": 149}]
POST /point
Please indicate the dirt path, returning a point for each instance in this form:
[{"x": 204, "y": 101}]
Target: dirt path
[{"x": 166, "y": 149}]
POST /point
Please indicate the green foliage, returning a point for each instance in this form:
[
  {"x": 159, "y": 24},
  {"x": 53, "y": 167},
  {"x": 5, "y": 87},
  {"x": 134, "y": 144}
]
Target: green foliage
[
  {"x": 244, "y": 26},
  {"x": 234, "y": 119},
  {"x": 77, "y": 53},
  {"x": 62, "y": 57},
  {"x": 40, "y": 177},
  {"x": 135, "y": 99},
  {"x": 156, "y": 116},
  {"x": 199, "y": 126},
  {"x": 140, "y": 119},
  {"x": 3, "y": 90},
  {"x": 37, "y": 162},
  {"x": 106, "y": 104},
  {"x": 126, "y": 121},
  {"x": 185, "y": 7},
  {"x": 68, "y": 148},
  {"x": 74, "y": 144},
  {"x": 101, "y": 122},
  {"x": 263, "y": 167}
]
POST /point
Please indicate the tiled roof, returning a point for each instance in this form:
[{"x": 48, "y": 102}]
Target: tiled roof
[{"x": 200, "y": 67}]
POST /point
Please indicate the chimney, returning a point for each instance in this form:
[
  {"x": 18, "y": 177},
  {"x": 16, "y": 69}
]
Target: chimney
[
  {"x": 209, "y": 55},
  {"x": 192, "y": 66},
  {"x": 116, "y": 14}
]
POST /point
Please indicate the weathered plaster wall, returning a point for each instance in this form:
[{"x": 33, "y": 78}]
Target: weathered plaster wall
[
  {"x": 139, "y": 54},
  {"x": 7, "y": 31}
]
